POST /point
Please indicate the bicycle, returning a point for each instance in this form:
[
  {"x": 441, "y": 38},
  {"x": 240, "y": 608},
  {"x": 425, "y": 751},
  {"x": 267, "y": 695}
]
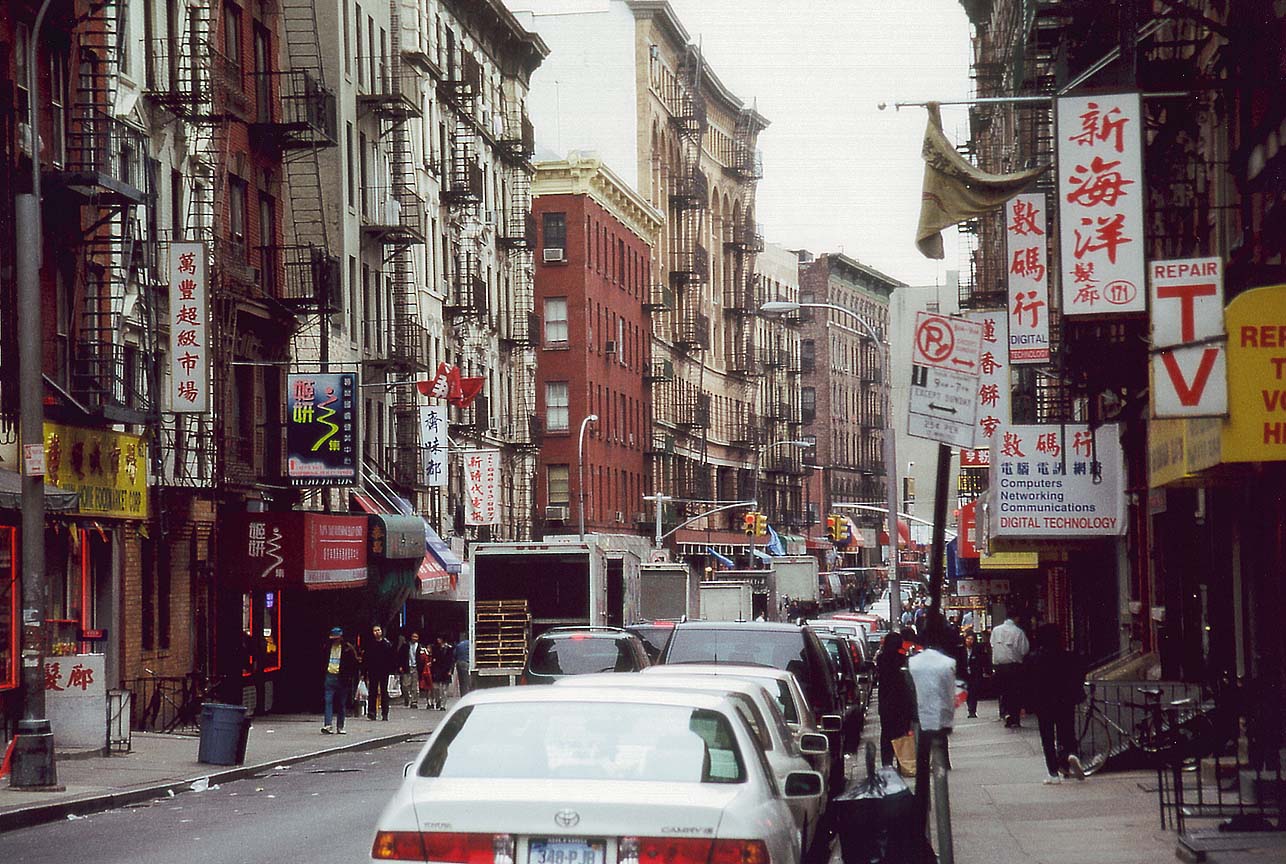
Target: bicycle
[{"x": 1163, "y": 734}]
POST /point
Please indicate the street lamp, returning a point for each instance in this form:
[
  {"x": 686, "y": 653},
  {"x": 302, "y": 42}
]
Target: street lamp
[
  {"x": 754, "y": 482},
  {"x": 785, "y": 307},
  {"x": 580, "y": 468}
]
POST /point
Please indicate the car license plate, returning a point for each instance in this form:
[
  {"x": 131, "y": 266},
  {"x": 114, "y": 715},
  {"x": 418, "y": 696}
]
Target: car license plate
[{"x": 565, "y": 851}]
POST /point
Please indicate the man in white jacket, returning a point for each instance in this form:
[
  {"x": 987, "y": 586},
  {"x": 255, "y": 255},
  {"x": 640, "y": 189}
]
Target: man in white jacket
[{"x": 1009, "y": 648}]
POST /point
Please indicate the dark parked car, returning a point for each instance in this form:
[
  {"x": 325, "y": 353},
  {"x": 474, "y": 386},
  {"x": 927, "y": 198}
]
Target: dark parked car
[
  {"x": 653, "y": 635},
  {"x": 850, "y": 686},
  {"x": 565, "y": 651},
  {"x": 781, "y": 646}
]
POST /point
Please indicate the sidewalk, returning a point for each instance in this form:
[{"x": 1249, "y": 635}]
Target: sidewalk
[
  {"x": 160, "y": 764},
  {"x": 1001, "y": 813}
]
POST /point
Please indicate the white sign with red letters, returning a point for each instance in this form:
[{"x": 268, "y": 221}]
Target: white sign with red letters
[
  {"x": 993, "y": 376},
  {"x": 1025, "y": 237},
  {"x": 1189, "y": 364},
  {"x": 481, "y": 487},
  {"x": 1100, "y": 204}
]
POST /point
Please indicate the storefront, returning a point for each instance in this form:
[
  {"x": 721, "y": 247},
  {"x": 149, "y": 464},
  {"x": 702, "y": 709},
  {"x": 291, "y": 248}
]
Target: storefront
[
  {"x": 440, "y": 605},
  {"x": 287, "y": 579}
]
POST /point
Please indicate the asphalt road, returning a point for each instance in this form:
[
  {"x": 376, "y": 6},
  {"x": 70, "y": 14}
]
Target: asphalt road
[{"x": 321, "y": 811}]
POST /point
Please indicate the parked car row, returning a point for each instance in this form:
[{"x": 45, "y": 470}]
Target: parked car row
[{"x": 728, "y": 748}]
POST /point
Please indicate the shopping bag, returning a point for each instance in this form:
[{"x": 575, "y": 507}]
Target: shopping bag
[
  {"x": 395, "y": 686},
  {"x": 904, "y": 753},
  {"x": 362, "y": 692}
]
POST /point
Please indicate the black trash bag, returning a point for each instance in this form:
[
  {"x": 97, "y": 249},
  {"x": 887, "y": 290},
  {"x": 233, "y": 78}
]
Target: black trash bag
[{"x": 877, "y": 820}]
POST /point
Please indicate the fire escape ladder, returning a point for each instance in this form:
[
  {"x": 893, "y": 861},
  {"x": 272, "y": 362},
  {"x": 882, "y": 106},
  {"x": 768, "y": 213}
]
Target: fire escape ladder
[{"x": 107, "y": 254}]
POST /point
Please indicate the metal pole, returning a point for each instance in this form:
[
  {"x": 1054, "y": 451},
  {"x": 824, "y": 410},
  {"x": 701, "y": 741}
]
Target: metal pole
[
  {"x": 754, "y": 493},
  {"x": 939, "y": 539},
  {"x": 34, "y": 765},
  {"x": 580, "y": 468},
  {"x": 891, "y": 490},
  {"x": 941, "y": 798}
]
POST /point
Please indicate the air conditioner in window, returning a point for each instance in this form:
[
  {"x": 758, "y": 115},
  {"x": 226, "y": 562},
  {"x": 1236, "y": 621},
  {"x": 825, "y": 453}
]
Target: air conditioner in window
[
  {"x": 620, "y": 518},
  {"x": 609, "y": 346},
  {"x": 553, "y": 254},
  {"x": 556, "y": 513}
]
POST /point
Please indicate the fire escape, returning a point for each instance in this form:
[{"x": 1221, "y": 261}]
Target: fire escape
[
  {"x": 394, "y": 217},
  {"x": 105, "y": 177},
  {"x": 519, "y": 324}
]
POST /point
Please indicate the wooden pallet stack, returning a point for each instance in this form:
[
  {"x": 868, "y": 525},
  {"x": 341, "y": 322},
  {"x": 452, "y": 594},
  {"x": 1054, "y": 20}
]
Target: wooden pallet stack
[{"x": 501, "y": 634}]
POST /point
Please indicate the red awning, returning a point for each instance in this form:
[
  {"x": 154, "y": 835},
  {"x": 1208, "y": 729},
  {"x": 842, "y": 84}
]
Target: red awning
[
  {"x": 367, "y": 504},
  {"x": 433, "y": 576},
  {"x": 904, "y": 534}
]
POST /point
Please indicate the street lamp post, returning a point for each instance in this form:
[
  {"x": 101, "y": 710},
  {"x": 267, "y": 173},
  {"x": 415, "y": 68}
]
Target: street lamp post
[
  {"x": 783, "y": 307},
  {"x": 580, "y": 468},
  {"x": 754, "y": 481}
]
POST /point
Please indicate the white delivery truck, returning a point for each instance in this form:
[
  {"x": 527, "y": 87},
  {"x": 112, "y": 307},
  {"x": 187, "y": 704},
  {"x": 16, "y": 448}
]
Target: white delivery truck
[
  {"x": 796, "y": 584},
  {"x": 521, "y": 590},
  {"x": 727, "y": 601}
]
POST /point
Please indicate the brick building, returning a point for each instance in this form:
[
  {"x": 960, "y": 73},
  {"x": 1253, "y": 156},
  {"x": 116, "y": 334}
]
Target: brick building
[{"x": 592, "y": 286}]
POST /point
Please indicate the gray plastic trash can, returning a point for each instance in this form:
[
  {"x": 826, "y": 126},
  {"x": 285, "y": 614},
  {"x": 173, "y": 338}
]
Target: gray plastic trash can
[{"x": 224, "y": 732}]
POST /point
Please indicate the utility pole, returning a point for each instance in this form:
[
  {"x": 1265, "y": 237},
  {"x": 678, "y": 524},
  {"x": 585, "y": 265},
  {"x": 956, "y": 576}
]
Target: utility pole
[{"x": 34, "y": 766}]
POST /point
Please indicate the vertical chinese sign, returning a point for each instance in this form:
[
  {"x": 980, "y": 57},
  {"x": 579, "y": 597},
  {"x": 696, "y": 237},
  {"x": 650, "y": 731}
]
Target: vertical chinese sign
[
  {"x": 321, "y": 429},
  {"x": 1100, "y": 198},
  {"x": 1025, "y": 236},
  {"x": 433, "y": 438},
  {"x": 189, "y": 329},
  {"x": 993, "y": 379},
  {"x": 481, "y": 487}
]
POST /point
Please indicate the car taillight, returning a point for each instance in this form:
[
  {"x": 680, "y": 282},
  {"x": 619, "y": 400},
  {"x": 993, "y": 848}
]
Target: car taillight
[
  {"x": 449, "y": 848},
  {"x": 690, "y": 850}
]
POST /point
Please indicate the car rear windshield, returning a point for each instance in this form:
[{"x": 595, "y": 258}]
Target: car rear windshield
[
  {"x": 587, "y": 741},
  {"x": 581, "y": 655},
  {"x": 779, "y": 649}
]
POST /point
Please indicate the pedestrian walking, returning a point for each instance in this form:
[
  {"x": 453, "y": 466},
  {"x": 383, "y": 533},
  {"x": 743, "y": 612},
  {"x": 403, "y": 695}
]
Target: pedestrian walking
[
  {"x": 1057, "y": 687},
  {"x": 441, "y": 664},
  {"x": 408, "y": 668},
  {"x": 341, "y": 669},
  {"x": 972, "y": 666},
  {"x": 1009, "y": 648},
  {"x": 897, "y": 696},
  {"x": 379, "y": 660},
  {"x": 462, "y": 651}
]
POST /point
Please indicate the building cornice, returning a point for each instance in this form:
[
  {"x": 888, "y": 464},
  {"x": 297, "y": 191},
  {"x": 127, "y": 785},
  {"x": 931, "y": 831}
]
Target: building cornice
[{"x": 585, "y": 174}]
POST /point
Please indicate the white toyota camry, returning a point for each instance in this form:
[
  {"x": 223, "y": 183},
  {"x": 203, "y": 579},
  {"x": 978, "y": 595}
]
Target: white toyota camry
[{"x": 551, "y": 775}]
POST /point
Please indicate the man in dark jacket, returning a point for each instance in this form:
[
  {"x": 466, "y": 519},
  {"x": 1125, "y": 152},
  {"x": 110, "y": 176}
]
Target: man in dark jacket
[
  {"x": 341, "y": 670},
  {"x": 971, "y": 666},
  {"x": 897, "y": 696},
  {"x": 380, "y": 661},
  {"x": 1058, "y": 685}
]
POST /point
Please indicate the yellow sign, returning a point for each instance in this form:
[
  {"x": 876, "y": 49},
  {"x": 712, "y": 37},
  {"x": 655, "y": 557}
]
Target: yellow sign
[
  {"x": 108, "y": 469},
  {"x": 1256, "y": 431},
  {"x": 1167, "y": 440},
  {"x": 1009, "y": 561}
]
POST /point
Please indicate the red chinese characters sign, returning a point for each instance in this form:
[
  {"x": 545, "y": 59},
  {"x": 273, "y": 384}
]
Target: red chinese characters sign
[
  {"x": 1026, "y": 241},
  {"x": 1100, "y": 201},
  {"x": 993, "y": 375},
  {"x": 481, "y": 487},
  {"x": 189, "y": 321}
]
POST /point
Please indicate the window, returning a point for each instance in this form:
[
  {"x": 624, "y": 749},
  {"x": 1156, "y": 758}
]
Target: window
[
  {"x": 554, "y": 230},
  {"x": 263, "y": 65},
  {"x": 58, "y": 106},
  {"x": 556, "y": 413},
  {"x": 558, "y": 485},
  {"x": 348, "y": 41},
  {"x": 555, "y": 320},
  {"x": 267, "y": 225},
  {"x": 352, "y": 174},
  {"x": 357, "y": 18},
  {"x": 9, "y": 589},
  {"x": 237, "y": 210},
  {"x": 232, "y": 33},
  {"x": 808, "y": 355},
  {"x": 808, "y": 404}
]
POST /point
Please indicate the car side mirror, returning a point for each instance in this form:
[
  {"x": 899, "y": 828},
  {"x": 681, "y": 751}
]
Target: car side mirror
[
  {"x": 814, "y": 744},
  {"x": 407, "y": 769},
  {"x": 803, "y": 784},
  {"x": 832, "y": 723}
]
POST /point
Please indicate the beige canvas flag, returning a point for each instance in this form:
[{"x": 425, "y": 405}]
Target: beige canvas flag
[{"x": 954, "y": 190}]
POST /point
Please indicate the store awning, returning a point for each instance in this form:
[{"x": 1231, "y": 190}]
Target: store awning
[
  {"x": 366, "y": 503},
  {"x": 904, "y": 534},
  {"x": 432, "y": 577},
  {"x": 57, "y": 500},
  {"x": 441, "y": 551},
  {"x": 396, "y": 536},
  {"x": 763, "y": 556}
]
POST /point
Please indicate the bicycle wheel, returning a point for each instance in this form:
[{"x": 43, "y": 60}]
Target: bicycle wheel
[{"x": 1094, "y": 742}]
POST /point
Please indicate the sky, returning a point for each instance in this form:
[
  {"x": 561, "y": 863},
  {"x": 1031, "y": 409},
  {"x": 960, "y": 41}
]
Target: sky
[{"x": 840, "y": 174}]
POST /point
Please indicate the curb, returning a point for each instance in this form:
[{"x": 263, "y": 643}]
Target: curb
[{"x": 40, "y": 814}]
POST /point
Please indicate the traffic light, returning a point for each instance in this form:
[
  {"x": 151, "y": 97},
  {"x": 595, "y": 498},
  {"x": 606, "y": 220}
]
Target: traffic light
[
  {"x": 835, "y": 527},
  {"x": 748, "y": 523},
  {"x": 761, "y": 525}
]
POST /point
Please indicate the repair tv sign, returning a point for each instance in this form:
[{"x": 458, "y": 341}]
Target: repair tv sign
[{"x": 1189, "y": 365}]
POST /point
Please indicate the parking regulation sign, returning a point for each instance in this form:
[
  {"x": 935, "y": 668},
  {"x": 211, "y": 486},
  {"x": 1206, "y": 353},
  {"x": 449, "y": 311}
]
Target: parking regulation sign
[{"x": 944, "y": 379}]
